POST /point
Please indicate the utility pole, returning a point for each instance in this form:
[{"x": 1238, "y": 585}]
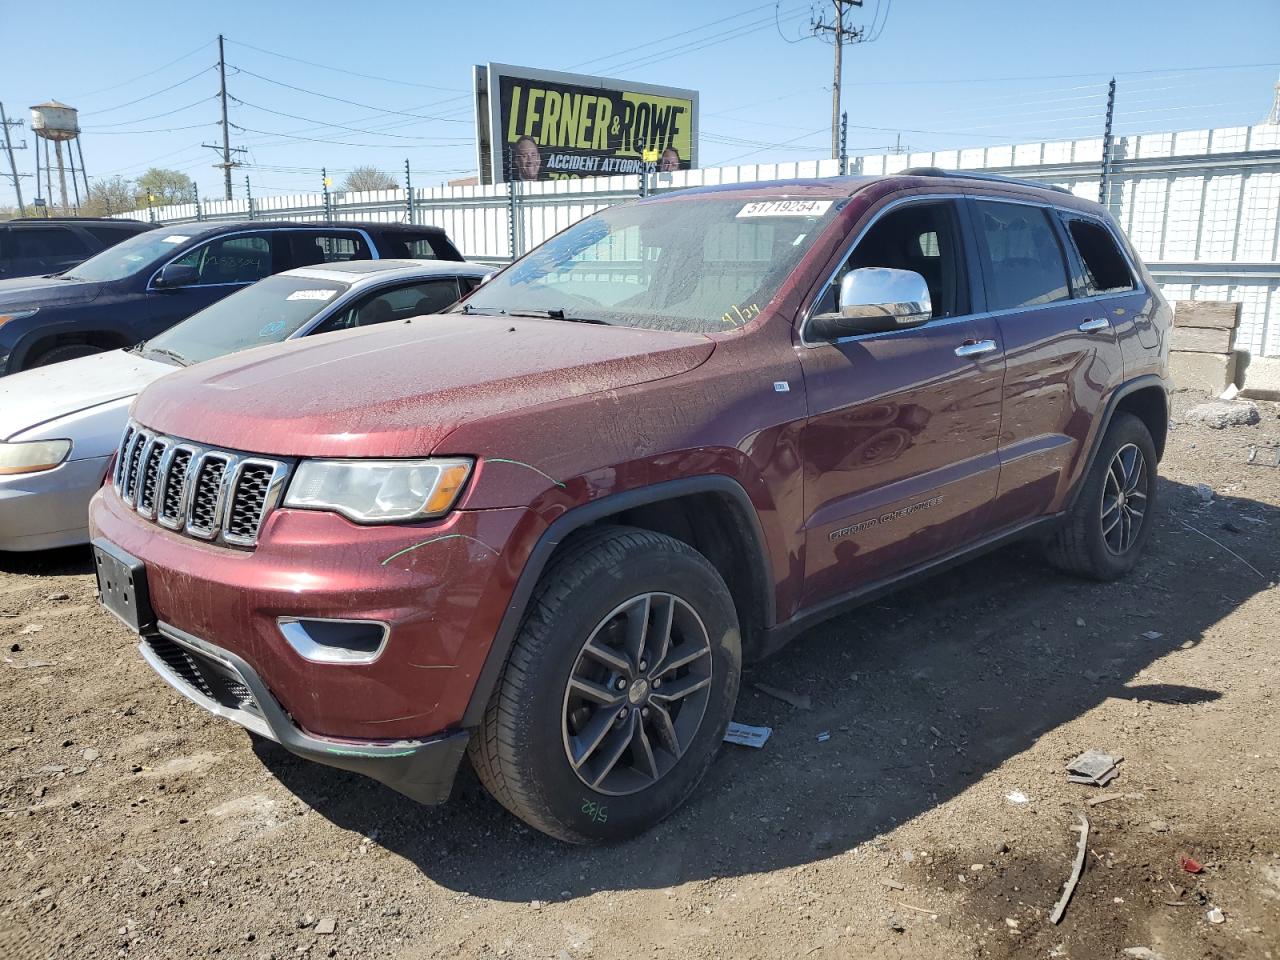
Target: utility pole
[
  {"x": 6, "y": 123},
  {"x": 226, "y": 149},
  {"x": 1106, "y": 143},
  {"x": 840, "y": 34}
]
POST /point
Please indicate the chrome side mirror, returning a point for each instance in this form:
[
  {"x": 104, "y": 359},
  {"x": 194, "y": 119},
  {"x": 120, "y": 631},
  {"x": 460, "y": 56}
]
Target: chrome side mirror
[{"x": 875, "y": 300}]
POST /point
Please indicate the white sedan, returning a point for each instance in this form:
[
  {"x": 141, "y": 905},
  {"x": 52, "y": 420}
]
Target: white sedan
[{"x": 60, "y": 424}]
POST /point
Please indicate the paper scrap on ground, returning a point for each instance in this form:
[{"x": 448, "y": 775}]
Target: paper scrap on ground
[{"x": 747, "y": 736}]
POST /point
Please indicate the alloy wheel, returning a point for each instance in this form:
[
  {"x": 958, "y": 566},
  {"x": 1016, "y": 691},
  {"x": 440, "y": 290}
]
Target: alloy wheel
[
  {"x": 1124, "y": 499},
  {"x": 637, "y": 694}
]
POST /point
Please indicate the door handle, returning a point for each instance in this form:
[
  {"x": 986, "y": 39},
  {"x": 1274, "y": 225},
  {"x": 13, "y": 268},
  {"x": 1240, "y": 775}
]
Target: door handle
[
  {"x": 1092, "y": 326},
  {"x": 975, "y": 348}
]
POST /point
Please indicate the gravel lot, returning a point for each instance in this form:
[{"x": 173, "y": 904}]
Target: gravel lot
[{"x": 135, "y": 825}]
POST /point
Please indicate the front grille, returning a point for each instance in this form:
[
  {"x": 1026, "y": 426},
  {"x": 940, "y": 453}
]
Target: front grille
[
  {"x": 206, "y": 676},
  {"x": 217, "y": 495}
]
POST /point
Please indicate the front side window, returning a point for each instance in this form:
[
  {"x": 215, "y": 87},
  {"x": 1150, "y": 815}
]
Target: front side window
[
  {"x": 1102, "y": 267},
  {"x": 1024, "y": 262},
  {"x": 694, "y": 264},
  {"x": 399, "y": 303},
  {"x": 921, "y": 237},
  {"x": 140, "y": 252},
  {"x": 266, "y": 312},
  {"x": 245, "y": 258}
]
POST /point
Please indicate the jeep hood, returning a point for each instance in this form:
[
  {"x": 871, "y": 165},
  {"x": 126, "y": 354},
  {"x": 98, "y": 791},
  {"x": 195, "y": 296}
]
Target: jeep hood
[
  {"x": 45, "y": 291},
  {"x": 399, "y": 389}
]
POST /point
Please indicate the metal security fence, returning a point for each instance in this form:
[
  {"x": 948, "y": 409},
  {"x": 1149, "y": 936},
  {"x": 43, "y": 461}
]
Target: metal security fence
[{"x": 1201, "y": 206}]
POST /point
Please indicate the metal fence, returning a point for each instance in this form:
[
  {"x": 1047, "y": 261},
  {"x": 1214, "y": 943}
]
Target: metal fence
[{"x": 1201, "y": 206}]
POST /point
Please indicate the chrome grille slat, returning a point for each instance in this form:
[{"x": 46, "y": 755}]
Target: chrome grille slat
[{"x": 217, "y": 495}]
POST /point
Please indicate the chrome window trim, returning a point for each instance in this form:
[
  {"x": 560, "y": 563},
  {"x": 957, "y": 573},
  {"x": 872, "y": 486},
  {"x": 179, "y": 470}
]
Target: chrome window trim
[
  {"x": 1139, "y": 287},
  {"x": 374, "y": 254}
]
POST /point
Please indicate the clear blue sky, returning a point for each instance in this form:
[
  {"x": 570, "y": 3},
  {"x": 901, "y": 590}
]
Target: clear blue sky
[{"x": 942, "y": 73}]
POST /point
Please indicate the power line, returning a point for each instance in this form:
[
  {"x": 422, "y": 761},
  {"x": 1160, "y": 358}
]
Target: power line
[
  {"x": 117, "y": 133},
  {"x": 352, "y": 73},
  {"x": 342, "y": 143},
  {"x": 143, "y": 76},
  {"x": 337, "y": 126},
  {"x": 155, "y": 93},
  {"x": 156, "y": 116},
  {"x": 673, "y": 36},
  {"x": 693, "y": 46},
  {"x": 353, "y": 103}
]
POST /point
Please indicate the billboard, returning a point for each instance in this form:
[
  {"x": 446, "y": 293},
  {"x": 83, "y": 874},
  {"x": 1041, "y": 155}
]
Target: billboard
[{"x": 545, "y": 125}]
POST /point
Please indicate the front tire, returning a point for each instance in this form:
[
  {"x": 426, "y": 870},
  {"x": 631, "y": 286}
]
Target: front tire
[
  {"x": 1103, "y": 534},
  {"x": 66, "y": 351},
  {"x": 618, "y": 688}
]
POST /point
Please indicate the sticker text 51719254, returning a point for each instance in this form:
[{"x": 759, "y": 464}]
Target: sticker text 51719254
[{"x": 785, "y": 208}]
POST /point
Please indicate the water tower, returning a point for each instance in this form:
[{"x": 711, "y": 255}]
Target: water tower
[{"x": 58, "y": 123}]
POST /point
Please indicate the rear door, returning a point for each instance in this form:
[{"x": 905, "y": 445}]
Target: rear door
[
  {"x": 1061, "y": 352},
  {"x": 899, "y": 451}
]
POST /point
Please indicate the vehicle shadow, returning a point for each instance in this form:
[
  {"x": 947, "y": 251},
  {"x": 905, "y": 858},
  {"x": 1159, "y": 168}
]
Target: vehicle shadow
[
  {"x": 64, "y": 561},
  {"x": 923, "y": 694}
]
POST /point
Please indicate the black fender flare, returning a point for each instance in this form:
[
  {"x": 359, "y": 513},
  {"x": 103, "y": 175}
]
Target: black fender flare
[
  {"x": 579, "y": 517},
  {"x": 21, "y": 351},
  {"x": 1144, "y": 382}
]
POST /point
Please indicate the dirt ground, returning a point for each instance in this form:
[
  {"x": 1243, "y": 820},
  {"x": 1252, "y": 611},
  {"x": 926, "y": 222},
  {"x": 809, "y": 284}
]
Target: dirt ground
[{"x": 135, "y": 825}]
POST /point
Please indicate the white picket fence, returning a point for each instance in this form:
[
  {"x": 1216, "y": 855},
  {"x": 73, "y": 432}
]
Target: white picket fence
[{"x": 1201, "y": 206}]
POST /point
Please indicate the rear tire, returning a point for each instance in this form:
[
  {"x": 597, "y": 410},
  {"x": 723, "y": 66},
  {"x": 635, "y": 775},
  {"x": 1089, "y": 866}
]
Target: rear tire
[
  {"x": 67, "y": 351},
  {"x": 1104, "y": 533},
  {"x": 544, "y": 747}
]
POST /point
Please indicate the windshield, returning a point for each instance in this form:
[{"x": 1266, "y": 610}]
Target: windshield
[
  {"x": 128, "y": 257},
  {"x": 269, "y": 311},
  {"x": 695, "y": 265}
]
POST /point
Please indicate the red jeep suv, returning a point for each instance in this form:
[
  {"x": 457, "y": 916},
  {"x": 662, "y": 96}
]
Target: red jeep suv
[{"x": 546, "y": 529}]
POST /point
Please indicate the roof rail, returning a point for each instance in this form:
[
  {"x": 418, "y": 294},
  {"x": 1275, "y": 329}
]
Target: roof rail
[{"x": 970, "y": 175}]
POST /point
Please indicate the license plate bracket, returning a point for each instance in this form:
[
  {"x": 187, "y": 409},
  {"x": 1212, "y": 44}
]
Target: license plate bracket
[{"x": 122, "y": 586}]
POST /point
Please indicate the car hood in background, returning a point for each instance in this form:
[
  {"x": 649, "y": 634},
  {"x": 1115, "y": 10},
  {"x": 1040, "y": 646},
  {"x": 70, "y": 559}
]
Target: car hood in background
[
  {"x": 398, "y": 389},
  {"x": 38, "y": 291},
  {"x": 45, "y": 394}
]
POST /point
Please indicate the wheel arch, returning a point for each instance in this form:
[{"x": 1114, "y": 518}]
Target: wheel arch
[
  {"x": 713, "y": 514},
  {"x": 1147, "y": 398},
  {"x": 46, "y": 338}
]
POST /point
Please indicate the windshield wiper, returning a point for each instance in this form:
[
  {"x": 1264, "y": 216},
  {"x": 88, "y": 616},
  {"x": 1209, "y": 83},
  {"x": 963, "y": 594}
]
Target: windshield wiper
[
  {"x": 557, "y": 315},
  {"x": 173, "y": 355}
]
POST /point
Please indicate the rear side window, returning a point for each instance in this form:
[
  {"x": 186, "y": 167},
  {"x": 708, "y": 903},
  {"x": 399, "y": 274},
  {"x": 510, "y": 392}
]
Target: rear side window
[
  {"x": 310, "y": 249},
  {"x": 1102, "y": 268},
  {"x": 405, "y": 245},
  {"x": 1024, "y": 262},
  {"x": 42, "y": 242},
  {"x": 426, "y": 296}
]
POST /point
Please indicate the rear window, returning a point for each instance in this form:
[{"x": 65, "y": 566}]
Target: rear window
[
  {"x": 405, "y": 245},
  {"x": 1103, "y": 268},
  {"x": 1024, "y": 259},
  {"x": 108, "y": 235}
]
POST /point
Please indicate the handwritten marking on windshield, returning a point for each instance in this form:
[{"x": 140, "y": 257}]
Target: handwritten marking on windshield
[{"x": 738, "y": 316}]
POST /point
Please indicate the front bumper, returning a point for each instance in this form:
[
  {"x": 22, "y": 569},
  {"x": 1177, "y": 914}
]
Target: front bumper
[
  {"x": 40, "y": 511},
  {"x": 226, "y": 685},
  {"x": 442, "y": 588}
]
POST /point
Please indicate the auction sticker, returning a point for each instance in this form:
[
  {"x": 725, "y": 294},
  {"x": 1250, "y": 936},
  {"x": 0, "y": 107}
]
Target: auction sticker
[
  {"x": 786, "y": 208},
  {"x": 311, "y": 295},
  {"x": 176, "y": 238}
]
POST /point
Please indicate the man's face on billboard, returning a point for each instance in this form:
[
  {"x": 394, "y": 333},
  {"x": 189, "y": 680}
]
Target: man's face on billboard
[
  {"x": 669, "y": 161},
  {"x": 527, "y": 160}
]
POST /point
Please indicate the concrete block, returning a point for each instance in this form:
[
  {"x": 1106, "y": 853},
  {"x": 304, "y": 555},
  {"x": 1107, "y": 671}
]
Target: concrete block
[
  {"x": 1206, "y": 313},
  {"x": 1203, "y": 339},
  {"x": 1206, "y": 372},
  {"x": 1260, "y": 377}
]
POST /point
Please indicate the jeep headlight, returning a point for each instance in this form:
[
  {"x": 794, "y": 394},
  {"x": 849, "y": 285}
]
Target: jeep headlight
[
  {"x": 32, "y": 456},
  {"x": 378, "y": 491}
]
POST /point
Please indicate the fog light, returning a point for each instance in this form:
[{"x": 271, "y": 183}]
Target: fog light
[{"x": 335, "y": 641}]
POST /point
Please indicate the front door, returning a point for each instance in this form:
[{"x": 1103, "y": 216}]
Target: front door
[
  {"x": 899, "y": 450},
  {"x": 224, "y": 265},
  {"x": 1061, "y": 352}
]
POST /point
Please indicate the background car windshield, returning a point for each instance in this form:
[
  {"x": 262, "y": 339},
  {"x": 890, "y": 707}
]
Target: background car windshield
[
  {"x": 127, "y": 258},
  {"x": 696, "y": 265},
  {"x": 269, "y": 311}
]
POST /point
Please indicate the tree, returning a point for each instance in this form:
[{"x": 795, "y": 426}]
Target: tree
[
  {"x": 165, "y": 187},
  {"x": 368, "y": 178},
  {"x": 106, "y": 197}
]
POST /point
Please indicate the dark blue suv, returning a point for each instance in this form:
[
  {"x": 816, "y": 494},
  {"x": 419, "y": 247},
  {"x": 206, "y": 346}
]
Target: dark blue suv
[{"x": 146, "y": 284}]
